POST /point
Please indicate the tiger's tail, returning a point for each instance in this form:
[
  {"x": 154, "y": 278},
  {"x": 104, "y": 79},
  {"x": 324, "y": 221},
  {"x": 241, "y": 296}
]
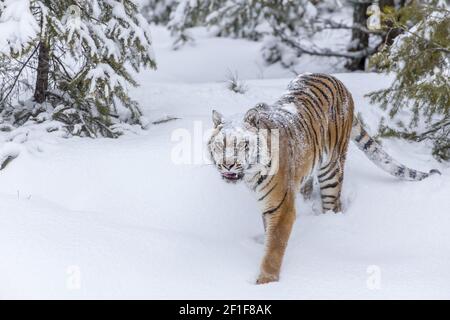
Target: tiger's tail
[{"x": 381, "y": 159}]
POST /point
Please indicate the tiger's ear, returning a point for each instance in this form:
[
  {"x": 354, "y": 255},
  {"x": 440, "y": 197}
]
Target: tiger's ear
[
  {"x": 252, "y": 117},
  {"x": 217, "y": 118}
]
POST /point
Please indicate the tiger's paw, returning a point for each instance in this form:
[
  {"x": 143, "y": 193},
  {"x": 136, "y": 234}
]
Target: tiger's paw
[{"x": 267, "y": 278}]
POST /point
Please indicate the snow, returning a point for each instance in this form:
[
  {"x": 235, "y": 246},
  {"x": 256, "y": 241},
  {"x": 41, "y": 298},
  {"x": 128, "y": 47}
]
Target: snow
[
  {"x": 290, "y": 107},
  {"x": 103, "y": 218},
  {"x": 103, "y": 71},
  {"x": 222, "y": 55},
  {"x": 18, "y": 25}
]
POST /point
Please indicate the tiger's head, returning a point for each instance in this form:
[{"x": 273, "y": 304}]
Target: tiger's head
[{"x": 235, "y": 146}]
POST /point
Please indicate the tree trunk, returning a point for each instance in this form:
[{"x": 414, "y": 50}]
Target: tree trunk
[
  {"x": 42, "y": 72},
  {"x": 360, "y": 39}
]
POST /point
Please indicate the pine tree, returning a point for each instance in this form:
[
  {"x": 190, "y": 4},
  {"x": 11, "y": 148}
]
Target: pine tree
[
  {"x": 237, "y": 19},
  {"x": 188, "y": 14},
  {"x": 286, "y": 26},
  {"x": 249, "y": 19},
  {"x": 360, "y": 37},
  {"x": 158, "y": 11},
  {"x": 83, "y": 53},
  {"x": 14, "y": 16},
  {"x": 420, "y": 60}
]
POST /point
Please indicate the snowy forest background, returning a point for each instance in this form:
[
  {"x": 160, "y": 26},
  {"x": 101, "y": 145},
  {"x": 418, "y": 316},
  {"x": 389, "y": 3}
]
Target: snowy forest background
[{"x": 92, "y": 94}]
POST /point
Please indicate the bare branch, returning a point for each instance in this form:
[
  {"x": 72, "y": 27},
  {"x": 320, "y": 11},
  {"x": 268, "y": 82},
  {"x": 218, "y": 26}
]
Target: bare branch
[
  {"x": 331, "y": 24},
  {"x": 18, "y": 75},
  {"x": 327, "y": 52}
]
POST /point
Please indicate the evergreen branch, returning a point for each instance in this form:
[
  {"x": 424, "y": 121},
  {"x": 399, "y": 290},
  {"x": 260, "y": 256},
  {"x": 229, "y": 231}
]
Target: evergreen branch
[{"x": 437, "y": 47}]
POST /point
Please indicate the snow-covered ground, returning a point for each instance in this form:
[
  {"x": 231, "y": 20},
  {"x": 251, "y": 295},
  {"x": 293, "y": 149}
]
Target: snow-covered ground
[{"x": 83, "y": 218}]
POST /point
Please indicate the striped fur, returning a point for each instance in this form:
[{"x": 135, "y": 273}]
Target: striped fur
[
  {"x": 314, "y": 120},
  {"x": 383, "y": 160}
]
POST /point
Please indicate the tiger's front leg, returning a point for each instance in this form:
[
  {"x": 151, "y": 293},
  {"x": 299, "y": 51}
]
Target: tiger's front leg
[{"x": 278, "y": 219}]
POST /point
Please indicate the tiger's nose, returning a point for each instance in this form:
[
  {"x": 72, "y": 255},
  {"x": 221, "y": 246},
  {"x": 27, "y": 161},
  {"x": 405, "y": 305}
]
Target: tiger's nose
[{"x": 228, "y": 167}]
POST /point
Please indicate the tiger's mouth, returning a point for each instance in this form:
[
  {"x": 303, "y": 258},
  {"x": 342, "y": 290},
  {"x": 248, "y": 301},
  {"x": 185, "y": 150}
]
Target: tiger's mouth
[{"x": 232, "y": 176}]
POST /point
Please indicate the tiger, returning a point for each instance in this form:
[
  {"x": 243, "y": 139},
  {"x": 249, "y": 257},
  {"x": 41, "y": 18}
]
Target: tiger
[{"x": 314, "y": 121}]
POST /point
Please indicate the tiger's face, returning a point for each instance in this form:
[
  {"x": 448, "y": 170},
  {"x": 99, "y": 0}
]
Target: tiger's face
[{"x": 233, "y": 146}]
